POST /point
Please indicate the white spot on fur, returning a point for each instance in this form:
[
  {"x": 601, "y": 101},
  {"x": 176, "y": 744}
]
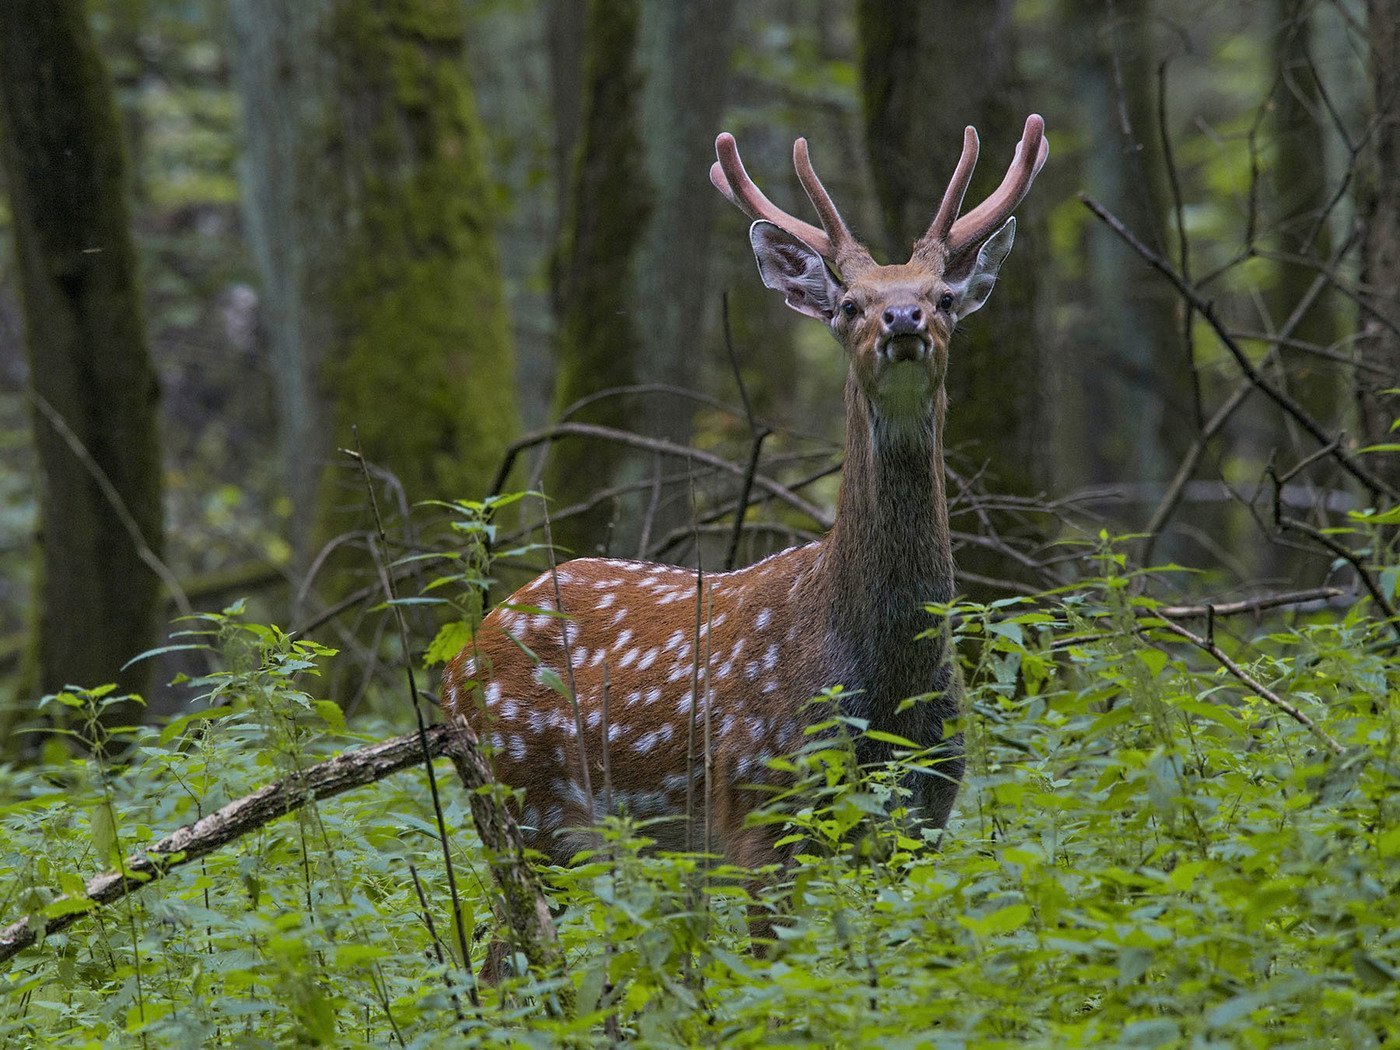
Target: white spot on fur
[
  {"x": 770, "y": 658},
  {"x": 629, "y": 658},
  {"x": 493, "y": 693},
  {"x": 606, "y": 600},
  {"x": 649, "y": 659},
  {"x": 517, "y": 747},
  {"x": 763, "y": 619}
]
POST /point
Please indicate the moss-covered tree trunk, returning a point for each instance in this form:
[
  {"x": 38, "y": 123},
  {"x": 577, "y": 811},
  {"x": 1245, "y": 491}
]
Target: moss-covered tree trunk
[
  {"x": 1379, "y": 209},
  {"x": 93, "y": 385},
  {"x": 915, "y": 110},
  {"x": 599, "y": 340},
  {"x": 370, "y": 213}
]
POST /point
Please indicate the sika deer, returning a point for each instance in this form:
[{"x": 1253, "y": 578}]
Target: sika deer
[{"x": 747, "y": 648}]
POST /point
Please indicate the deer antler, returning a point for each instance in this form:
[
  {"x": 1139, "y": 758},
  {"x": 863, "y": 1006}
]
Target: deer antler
[
  {"x": 956, "y": 237},
  {"x": 833, "y": 241}
]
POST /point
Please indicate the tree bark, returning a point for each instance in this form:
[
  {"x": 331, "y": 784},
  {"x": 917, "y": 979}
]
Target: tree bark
[
  {"x": 1379, "y": 213},
  {"x": 91, "y": 379},
  {"x": 1301, "y": 193},
  {"x": 370, "y": 213},
  {"x": 598, "y": 342},
  {"x": 915, "y": 111},
  {"x": 640, "y": 215},
  {"x": 1133, "y": 384}
]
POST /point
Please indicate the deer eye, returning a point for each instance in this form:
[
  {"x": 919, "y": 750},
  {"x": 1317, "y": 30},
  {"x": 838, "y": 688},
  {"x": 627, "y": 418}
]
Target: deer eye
[
  {"x": 945, "y": 301},
  {"x": 849, "y": 308}
]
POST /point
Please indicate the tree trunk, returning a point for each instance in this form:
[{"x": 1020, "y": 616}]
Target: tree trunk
[
  {"x": 684, "y": 48},
  {"x": 915, "y": 111},
  {"x": 370, "y": 214},
  {"x": 1300, "y": 198},
  {"x": 609, "y": 205},
  {"x": 1134, "y": 382},
  {"x": 654, "y": 86},
  {"x": 91, "y": 378},
  {"x": 1379, "y": 211}
]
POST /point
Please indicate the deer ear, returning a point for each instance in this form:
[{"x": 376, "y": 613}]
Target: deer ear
[
  {"x": 794, "y": 268},
  {"x": 977, "y": 285}
]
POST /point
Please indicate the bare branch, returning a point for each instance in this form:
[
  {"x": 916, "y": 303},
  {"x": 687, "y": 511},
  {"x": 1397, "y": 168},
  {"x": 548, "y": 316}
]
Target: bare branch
[
  {"x": 1206, "y": 309},
  {"x": 1250, "y": 682}
]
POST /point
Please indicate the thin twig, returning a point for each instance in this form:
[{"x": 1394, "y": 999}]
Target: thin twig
[
  {"x": 1206, "y": 309},
  {"x": 669, "y": 448},
  {"x": 1250, "y": 605},
  {"x": 1252, "y": 683},
  {"x": 392, "y": 592},
  {"x": 114, "y": 500}
]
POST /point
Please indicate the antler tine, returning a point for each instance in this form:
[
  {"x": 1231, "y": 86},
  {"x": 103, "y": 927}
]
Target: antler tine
[
  {"x": 730, "y": 178},
  {"x": 842, "y": 242},
  {"x": 1031, "y": 152},
  {"x": 953, "y": 195}
]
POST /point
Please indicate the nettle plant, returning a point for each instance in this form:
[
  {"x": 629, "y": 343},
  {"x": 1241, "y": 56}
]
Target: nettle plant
[{"x": 1145, "y": 853}]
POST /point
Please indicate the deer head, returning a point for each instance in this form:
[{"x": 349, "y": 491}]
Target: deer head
[{"x": 894, "y": 321}]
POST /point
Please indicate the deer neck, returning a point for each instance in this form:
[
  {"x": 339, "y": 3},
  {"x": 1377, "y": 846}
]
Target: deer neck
[{"x": 888, "y": 553}]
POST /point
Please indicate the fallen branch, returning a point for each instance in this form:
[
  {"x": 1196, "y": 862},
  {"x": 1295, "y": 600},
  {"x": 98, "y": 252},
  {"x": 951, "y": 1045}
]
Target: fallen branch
[{"x": 525, "y": 909}]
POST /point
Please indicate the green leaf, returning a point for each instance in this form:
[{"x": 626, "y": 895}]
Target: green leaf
[
  {"x": 68, "y": 906},
  {"x": 1153, "y": 659},
  {"x": 551, "y": 680},
  {"x": 450, "y": 640},
  {"x": 332, "y": 714},
  {"x": 104, "y": 831},
  {"x": 891, "y": 738},
  {"x": 1004, "y": 920}
]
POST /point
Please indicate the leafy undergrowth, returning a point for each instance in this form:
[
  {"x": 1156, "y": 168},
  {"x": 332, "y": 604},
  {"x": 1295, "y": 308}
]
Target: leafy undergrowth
[{"x": 1145, "y": 853}]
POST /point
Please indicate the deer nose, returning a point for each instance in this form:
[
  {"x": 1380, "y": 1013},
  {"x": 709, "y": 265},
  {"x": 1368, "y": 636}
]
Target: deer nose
[{"x": 905, "y": 319}]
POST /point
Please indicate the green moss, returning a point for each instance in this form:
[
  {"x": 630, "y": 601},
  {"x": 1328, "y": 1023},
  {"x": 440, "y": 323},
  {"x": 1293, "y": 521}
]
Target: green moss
[{"x": 421, "y": 362}]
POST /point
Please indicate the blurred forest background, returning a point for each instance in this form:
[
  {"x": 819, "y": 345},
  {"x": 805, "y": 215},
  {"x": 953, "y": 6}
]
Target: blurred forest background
[{"x": 475, "y": 241}]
